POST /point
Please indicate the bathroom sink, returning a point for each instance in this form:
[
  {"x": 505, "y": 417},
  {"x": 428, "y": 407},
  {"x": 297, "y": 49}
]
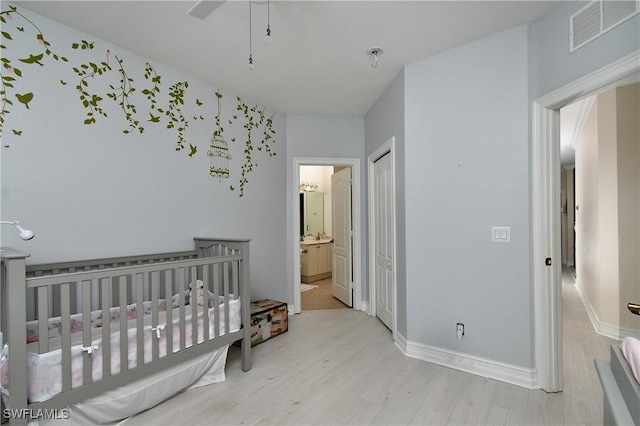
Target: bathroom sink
[{"x": 314, "y": 241}]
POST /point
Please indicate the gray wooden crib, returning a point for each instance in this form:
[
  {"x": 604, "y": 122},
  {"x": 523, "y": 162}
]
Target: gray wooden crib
[{"x": 68, "y": 307}]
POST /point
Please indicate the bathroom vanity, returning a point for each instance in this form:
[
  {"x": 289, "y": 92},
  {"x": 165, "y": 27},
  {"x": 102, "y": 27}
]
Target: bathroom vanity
[{"x": 315, "y": 260}]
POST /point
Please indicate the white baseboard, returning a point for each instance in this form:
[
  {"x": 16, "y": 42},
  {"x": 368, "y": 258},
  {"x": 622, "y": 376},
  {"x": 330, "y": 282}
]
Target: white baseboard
[
  {"x": 523, "y": 377},
  {"x": 401, "y": 342},
  {"x": 364, "y": 306},
  {"x": 602, "y": 328}
]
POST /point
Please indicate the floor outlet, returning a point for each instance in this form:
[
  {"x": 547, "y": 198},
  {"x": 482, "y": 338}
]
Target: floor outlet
[{"x": 459, "y": 330}]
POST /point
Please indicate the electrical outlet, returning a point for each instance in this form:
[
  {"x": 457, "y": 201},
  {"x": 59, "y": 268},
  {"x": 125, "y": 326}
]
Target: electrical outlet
[{"x": 459, "y": 330}]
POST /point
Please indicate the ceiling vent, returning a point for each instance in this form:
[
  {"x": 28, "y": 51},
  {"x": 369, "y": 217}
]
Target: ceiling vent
[{"x": 598, "y": 17}]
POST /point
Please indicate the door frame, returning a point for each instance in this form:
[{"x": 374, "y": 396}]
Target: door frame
[
  {"x": 388, "y": 147},
  {"x": 354, "y": 163},
  {"x": 546, "y": 211}
]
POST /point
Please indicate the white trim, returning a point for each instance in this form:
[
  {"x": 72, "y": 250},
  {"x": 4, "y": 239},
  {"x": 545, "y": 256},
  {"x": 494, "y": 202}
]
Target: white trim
[
  {"x": 354, "y": 163},
  {"x": 545, "y": 212},
  {"x": 546, "y": 222},
  {"x": 524, "y": 377},
  {"x": 387, "y": 147},
  {"x": 591, "y": 83},
  {"x": 401, "y": 343},
  {"x": 608, "y": 330}
]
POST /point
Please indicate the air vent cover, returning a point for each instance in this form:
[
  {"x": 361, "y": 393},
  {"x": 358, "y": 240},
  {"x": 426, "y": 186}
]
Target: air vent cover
[{"x": 598, "y": 17}]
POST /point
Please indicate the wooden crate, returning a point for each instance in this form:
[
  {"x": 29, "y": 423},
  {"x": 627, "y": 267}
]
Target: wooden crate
[{"x": 268, "y": 319}]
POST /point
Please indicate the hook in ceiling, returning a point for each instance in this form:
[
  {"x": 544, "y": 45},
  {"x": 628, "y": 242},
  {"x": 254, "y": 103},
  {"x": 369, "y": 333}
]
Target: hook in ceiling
[{"x": 374, "y": 52}]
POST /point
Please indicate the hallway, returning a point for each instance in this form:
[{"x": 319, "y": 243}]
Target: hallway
[{"x": 582, "y": 395}]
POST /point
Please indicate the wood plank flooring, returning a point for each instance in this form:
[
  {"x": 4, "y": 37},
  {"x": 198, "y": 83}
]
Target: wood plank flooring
[
  {"x": 320, "y": 297},
  {"x": 341, "y": 367}
]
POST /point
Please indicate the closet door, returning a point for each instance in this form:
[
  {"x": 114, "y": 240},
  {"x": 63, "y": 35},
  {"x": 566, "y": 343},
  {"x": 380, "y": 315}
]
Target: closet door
[{"x": 384, "y": 250}]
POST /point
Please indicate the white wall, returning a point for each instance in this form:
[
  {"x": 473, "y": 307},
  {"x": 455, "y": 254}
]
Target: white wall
[
  {"x": 607, "y": 222},
  {"x": 607, "y": 152},
  {"x": 323, "y": 137},
  {"x": 628, "y": 132},
  {"x": 587, "y": 220},
  {"x": 90, "y": 191},
  {"x": 467, "y": 169}
]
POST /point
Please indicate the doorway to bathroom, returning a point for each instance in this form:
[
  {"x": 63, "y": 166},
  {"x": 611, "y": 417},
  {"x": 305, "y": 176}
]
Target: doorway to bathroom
[{"x": 327, "y": 228}]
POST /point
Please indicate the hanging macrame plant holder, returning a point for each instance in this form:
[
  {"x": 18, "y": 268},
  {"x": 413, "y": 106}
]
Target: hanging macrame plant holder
[{"x": 220, "y": 157}]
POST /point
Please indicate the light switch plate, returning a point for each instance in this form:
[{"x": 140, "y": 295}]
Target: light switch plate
[{"x": 501, "y": 234}]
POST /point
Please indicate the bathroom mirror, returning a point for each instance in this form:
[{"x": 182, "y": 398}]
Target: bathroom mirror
[{"x": 311, "y": 213}]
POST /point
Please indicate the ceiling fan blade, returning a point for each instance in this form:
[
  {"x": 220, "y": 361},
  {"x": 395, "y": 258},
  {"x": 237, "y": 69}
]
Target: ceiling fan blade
[{"x": 204, "y": 8}]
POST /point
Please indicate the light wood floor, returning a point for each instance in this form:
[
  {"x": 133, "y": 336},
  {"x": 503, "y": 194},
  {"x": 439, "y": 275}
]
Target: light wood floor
[
  {"x": 341, "y": 367},
  {"x": 320, "y": 297}
]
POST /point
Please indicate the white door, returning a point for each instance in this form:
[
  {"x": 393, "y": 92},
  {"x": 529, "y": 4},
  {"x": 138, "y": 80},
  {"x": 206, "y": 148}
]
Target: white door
[
  {"x": 341, "y": 282},
  {"x": 384, "y": 250}
]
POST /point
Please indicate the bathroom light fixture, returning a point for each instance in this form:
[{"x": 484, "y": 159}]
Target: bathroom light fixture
[
  {"x": 374, "y": 52},
  {"x": 251, "y": 66},
  {"x": 25, "y": 234}
]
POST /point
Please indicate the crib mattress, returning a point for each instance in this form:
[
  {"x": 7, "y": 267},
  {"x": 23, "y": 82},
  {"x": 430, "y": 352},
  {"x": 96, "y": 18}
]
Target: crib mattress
[{"x": 44, "y": 371}]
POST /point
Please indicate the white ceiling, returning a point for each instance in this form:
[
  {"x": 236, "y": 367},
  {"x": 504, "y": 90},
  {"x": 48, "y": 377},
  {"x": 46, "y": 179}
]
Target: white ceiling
[{"x": 317, "y": 62}]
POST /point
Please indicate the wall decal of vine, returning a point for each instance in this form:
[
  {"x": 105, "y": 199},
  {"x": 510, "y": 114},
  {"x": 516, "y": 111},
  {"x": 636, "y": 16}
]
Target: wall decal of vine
[
  {"x": 176, "y": 118},
  {"x": 255, "y": 118},
  {"x": 91, "y": 101},
  {"x": 252, "y": 118},
  {"x": 9, "y": 73},
  {"x": 150, "y": 74},
  {"x": 123, "y": 94}
]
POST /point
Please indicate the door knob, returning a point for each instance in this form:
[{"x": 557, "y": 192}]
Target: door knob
[{"x": 634, "y": 308}]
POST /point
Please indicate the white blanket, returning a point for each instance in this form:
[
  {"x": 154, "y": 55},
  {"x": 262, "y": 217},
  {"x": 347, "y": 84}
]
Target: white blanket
[{"x": 631, "y": 352}]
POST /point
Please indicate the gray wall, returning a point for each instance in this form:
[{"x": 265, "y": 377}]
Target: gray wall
[
  {"x": 467, "y": 169},
  {"x": 383, "y": 121},
  {"x": 322, "y": 137},
  {"x": 553, "y": 66},
  {"x": 91, "y": 191}
]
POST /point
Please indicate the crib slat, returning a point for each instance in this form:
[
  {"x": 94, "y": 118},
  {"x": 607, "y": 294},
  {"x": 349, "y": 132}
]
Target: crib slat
[
  {"x": 194, "y": 306},
  {"x": 139, "y": 282},
  {"x": 216, "y": 304},
  {"x": 205, "y": 308},
  {"x": 106, "y": 328},
  {"x": 236, "y": 278},
  {"x": 124, "y": 343},
  {"x": 86, "y": 332},
  {"x": 43, "y": 320},
  {"x": 169, "y": 309},
  {"x": 225, "y": 282},
  {"x": 155, "y": 287},
  {"x": 181, "y": 289},
  {"x": 65, "y": 321}
]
